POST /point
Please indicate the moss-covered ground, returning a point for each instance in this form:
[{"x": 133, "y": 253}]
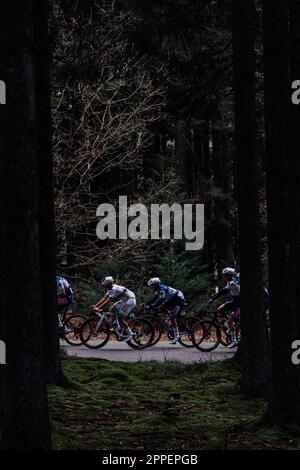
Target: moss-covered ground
[{"x": 154, "y": 406}]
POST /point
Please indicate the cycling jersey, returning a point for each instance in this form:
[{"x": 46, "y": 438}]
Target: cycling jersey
[
  {"x": 125, "y": 299},
  {"x": 119, "y": 293},
  {"x": 64, "y": 290},
  {"x": 232, "y": 288},
  {"x": 165, "y": 295}
]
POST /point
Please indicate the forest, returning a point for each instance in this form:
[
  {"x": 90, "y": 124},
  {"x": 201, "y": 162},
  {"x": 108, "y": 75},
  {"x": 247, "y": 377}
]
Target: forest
[{"x": 168, "y": 102}]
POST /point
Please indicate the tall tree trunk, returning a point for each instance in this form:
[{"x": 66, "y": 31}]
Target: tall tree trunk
[
  {"x": 202, "y": 185},
  {"x": 46, "y": 194},
  {"x": 255, "y": 345},
  {"x": 206, "y": 150},
  {"x": 284, "y": 405},
  {"x": 183, "y": 156},
  {"x": 26, "y": 422},
  {"x": 295, "y": 149},
  {"x": 222, "y": 223}
]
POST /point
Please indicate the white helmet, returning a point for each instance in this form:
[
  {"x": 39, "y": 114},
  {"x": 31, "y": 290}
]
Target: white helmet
[
  {"x": 228, "y": 271},
  {"x": 107, "y": 280},
  {"x": 153, "y": 281}
]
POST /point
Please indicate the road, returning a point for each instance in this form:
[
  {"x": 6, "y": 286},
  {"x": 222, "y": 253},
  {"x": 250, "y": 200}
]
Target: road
[{"x": 116, "y": 351}]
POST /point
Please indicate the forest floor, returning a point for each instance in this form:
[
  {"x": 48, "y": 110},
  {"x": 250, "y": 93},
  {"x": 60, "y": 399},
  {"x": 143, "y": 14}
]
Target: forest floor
[{"x": 159, "y": 406}]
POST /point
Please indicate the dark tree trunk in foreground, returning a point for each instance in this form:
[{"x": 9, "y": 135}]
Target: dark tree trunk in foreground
[
  {"x": 295, "y": 147},
  {"x": 183, "y": 156},
  {"x": 255, "y": 344},
  {"x": 46, "y": 196},
  {"x": 222, "y": 230},
  {"x": 26, "y": 423},
  {"x": 284, "y": 405}
]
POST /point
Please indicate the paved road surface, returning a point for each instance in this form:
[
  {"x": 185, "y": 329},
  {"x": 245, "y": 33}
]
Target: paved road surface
[{"x": 116, "y": 351}]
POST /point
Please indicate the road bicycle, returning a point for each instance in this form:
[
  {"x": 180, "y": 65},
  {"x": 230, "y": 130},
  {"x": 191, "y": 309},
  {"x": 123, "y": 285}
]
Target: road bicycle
[
  {"x": 69, "y": 325},
  {"x": 209, "y": 333},
  {"x": 97, "y": 330},
  {"x": 163, "y": 327}
]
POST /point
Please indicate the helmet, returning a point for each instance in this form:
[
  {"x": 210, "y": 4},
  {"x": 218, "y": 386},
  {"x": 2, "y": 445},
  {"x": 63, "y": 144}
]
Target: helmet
[
  {"x": 107, "y": 280},
  {"x": 228, "y": 271},
  {"x": 153, "y": 281}
]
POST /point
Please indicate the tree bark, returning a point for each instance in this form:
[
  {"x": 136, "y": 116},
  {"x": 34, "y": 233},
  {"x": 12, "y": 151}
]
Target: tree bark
[
  {"x": 284, "y": 405},
  {"x": 294, "y": 7},
  {"x": 223, "y": 219},
  {"x": 46, "y": 193},
  {"x": 26, "y": 422},
  {"x": 183, "y": 156},
  {"x": 255, "y": 344}
]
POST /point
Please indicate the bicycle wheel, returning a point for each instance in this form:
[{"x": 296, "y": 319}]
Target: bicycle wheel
[
  {"x": 206, "y": 336},
  {"x": 185, "y": 326},
  {"x": 144, "y": 334},
  {"x": 93, "y": 337},
  {"x": 158, "y": 331},
  {"x": 71, "y": 329}
]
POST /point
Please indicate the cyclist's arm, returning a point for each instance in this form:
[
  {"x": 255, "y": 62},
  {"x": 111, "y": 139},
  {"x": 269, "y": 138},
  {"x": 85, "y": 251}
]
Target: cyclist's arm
[
  {"x": 221, "y": 292},
  {"x": 103, "y": 302},
  {"x": 163, "y": 299},
  {"x": 152, "y": 302}
]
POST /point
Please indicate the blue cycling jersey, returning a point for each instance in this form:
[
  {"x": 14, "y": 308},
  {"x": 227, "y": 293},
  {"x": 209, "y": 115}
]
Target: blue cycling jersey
[
  {"x": 232, "y": 288},
  {"x": 164, "y": 294}
]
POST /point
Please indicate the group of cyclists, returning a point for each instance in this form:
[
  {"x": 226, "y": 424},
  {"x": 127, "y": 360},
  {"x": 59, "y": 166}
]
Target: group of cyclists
[{"x": 165, "y": 299}]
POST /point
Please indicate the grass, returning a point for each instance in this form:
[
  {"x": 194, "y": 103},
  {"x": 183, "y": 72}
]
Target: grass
[{"x": 156, "y": 406}]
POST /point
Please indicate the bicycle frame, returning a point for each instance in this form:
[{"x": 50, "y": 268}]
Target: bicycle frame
[{"x": 103, "y": 316}]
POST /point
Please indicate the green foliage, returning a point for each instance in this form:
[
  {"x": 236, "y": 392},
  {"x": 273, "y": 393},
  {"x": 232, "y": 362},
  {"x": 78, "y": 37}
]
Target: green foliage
[
  {"x": 88, "y": 294},
  {"x": 181, "y": 270},
  {"x": 151, "y": 405},
  {"x": 175, "y": 269}
]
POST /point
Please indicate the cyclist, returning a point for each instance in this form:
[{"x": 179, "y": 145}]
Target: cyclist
[
  {"x": 64, "y": 293},
  {"x": 233, "y": 306},
  {"x": 64, "y": 298},
  {"x": 124, "y": 302},
  {"x": 167, "y": 300}
]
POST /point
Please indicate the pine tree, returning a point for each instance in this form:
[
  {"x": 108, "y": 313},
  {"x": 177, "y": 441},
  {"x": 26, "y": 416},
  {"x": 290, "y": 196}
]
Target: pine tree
[
  {"x": 282, "y": 193},
  {"x": 26, "y": 421},
  {"x": 255, "y": 360}
]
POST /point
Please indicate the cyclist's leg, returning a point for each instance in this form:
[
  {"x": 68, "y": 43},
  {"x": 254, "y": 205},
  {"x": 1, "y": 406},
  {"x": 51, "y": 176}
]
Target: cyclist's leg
[
  {"x": 234, "y": 315},
  {"x": 231, "y": 324},
  {"x": 123, "y": 310},
  {"x": 225, "y": 308},
  {"x": 174, "y": 306},
  {"x": 61, "y": 313}
]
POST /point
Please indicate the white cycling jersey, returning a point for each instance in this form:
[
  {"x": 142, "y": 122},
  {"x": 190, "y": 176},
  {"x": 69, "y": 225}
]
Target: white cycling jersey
[{"x": 120, "y": 293}]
